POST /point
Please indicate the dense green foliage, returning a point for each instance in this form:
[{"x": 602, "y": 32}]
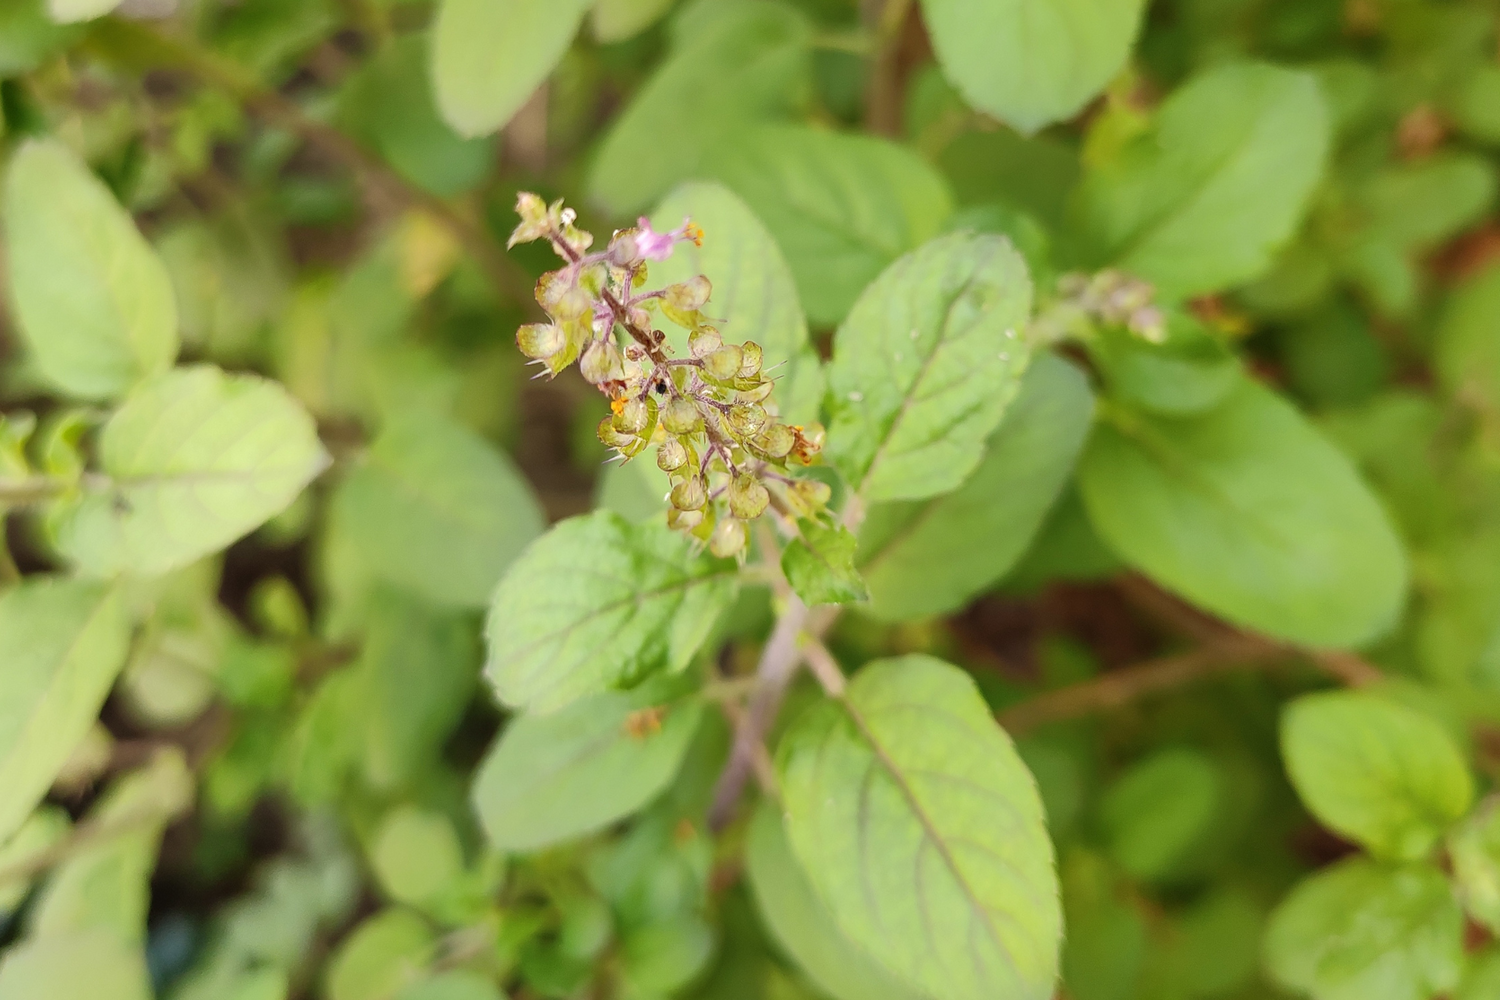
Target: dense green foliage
[{"x": 1056, "y": 551}]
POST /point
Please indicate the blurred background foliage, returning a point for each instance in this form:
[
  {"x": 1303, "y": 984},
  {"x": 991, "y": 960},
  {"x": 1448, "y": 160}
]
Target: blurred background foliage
[{"x": 312, "y": 691}]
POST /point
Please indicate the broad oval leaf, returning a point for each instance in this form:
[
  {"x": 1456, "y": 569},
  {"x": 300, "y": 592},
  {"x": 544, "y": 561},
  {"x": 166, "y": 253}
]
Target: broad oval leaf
[
  {"x": 819, "y": 565},
  {"x": 64, "y": 642},
  {"x": 842, "y": 207},
  {"x": 489, "y": 56},
  {"x": 925, "y": 366},
  {"x": 922, "y": 831},
  {"x": 1205, "y": 197},
  {"x": 437, "y": 510},
  {"x": 1474, "y": 849},
  {"x": 1468, "y": 347},
  {"x": 598, "y": 603},
  {"x": 754, "y": 293},
  {"x": 929, "y": 557},
  {"x": 1251, "y": 513},
  {"x": 1032, "y": 62},
  {"x": 1365, "y": 931},
  {"x": 734, "y": 63},
  {"x": 801, "y": 924},
  {"x": 93, "y": 302},
  {"x": 191, "y": 461},
  {"x": 1379, "y": 773},
  {"x": 1155, "y": 812},
  {"x": 617, "y": 20},
  {"x": 95, "y": 964},
  {"x": 551, "y": 778}
]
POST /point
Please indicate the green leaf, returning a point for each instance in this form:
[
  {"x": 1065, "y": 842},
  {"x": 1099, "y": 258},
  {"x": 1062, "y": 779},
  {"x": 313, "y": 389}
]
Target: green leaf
[
  {"x": 190, "y": 462},
  {"x": 802, "y": 926},
  {"x": 931, "y": 557},
  {"x": 922, "y": 832},
  {"x": 1482, "y": 980},
  {"x": 1247, "y": 511},
  {"x": 64, "y": 641},
  {"x": 385, "y": 953},
  {"x": 733, "y": 63},
  {"x": 69, "y": 11},
  {"x": 925, "y": 366},
  {"x": 599, "y": 603},
  {"x": 489, "y": 56},
  {"x": 42, "y": 830},
  {"x": 618, "y": 20},
  {"x": 437, "y": 510},
  {"x": 92, "y": 301},
  {"x": 461, "y": 984},
  {"x": 1032, "y": 62},
  {"x": 1187, "y": 205},
  {"x": 551, "y": 778},
  {"x": 1468, "y": 346},
  {"x": 842, "y": 207},
  {"x": 388, "y": 104},
  {"x": 1364, "y": 931},
  {"x": 1188, "y": 372},
  {"x": 1159, "y": 809},
  {"x": 1379, "y": 773},
  {"x": 416, "y": 854},
  {"x": 819, "y": 564},
  {"x": 95, "y": 965},
  {"x": 661, "y": 958},
  {"x": 28, "y": 36},
  {"x": 1474, "y": 849},
  {"x": 107, "y": 884},
  {"x": 754, "y": 294}
]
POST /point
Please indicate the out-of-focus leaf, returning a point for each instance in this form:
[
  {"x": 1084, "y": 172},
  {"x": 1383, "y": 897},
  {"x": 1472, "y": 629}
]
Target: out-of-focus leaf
[
  {"x": 437, "y": 510},
  {"x": 551, "y": 778},
  {"x": 802, "y": 925},
  {"x": 1155, "y": 812},
  {"x": 733, "y": 63},
  {"x": 42, "y": 829},
  {"x": 384, "y": 954},
  {"x": 1249, "y": 512},
  {"x": 1468, "y": 347},
  {"x": 819, "y": 565},
  {"x": 922, "y": 832},
  {"x": 69, "y": 11},
  {"x": 1364, "y": 931},
  {"x": 842, "y": 207},
  {"x": 64, "y": 642},
  {"x": 1032, "y": 62},
  {"x": 754, "y": 293},
  {"x": 925, "y": 366},
  {"x": 28, "y": 35},
  {"x": 599, "y": 603},
  {"x": 1474, "y": 848},
  {"x": 191, "y": 461},
  {"x": 93, "y": 965},
  {"x": 460, "y": 984},
  {"x": 1188, "y": 372},
  {"x": 92, "y": 300},
  {"x": 1186, "y": 206},
  {"x": 1377, "y": 772},
  {"x": 617, "y": 20},
  {"x": 930, "y": 557},
  {"x": 489, "y": 56},
  {"x": 416, "y": 855}
]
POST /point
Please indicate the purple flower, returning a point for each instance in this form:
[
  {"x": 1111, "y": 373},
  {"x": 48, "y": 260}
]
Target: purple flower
[{"x": 658, "y": 246}]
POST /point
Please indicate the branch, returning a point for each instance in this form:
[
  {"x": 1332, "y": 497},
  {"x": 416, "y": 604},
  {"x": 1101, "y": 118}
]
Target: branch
[
  {"x": 30, "y": 490},
  {"x": 273, "y": 107}
]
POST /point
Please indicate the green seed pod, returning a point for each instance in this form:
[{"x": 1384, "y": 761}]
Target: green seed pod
[
  {"x": 748, "y": 499},
  {"x": 757, "y": 394},
  {"x": 747, "y": 418},
  {"x": 680, "y": 416},
  {"x": 613, "y": 438},
  {"x": 690, "y": 295},
  {"x": 705, "y": 341},
  {"x": 633, "y": 416},
  {"x": 602, "y": 363},
  {"x": 723, "y": 364},
  {"x": 671, "y": 455},
  {"x": 728, "y": 539},
  {"x": 684, "y": 520},
  {"x": 774, "y": 441},
  {"x": 689, "y": 494},
  {"x": 750, "y": 366},
  {"x": 811, "y": 493},
  {"x": 540, "y": 340}
]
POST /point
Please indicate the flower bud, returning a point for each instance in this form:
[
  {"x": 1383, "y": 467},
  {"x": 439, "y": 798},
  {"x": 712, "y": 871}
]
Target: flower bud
[
  {"x": 540, "y": 340},
  {"x": 671, "y": 455},
  {"x": 774, "y": 441},
  {"x": 623, "y": 248},
  {"x": 613, "y": 438},
  {"x": 602, "y": 363},
  {"x": 746, "y": 418},
  {"x": 750, "y": 366},
  {"x": 705, "y": 341},
  {"x": 723, "y": 364},
  {"x": 688, "y": 296},
  {"x": 689, "y": 494},
  {"x": 728, "y": 539},
  {"x": 632, "y": 415},
  {"x": 748, "y": 499},
  {"x": 684, "y": 520},
  {"x": 680, "y": 416}
]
